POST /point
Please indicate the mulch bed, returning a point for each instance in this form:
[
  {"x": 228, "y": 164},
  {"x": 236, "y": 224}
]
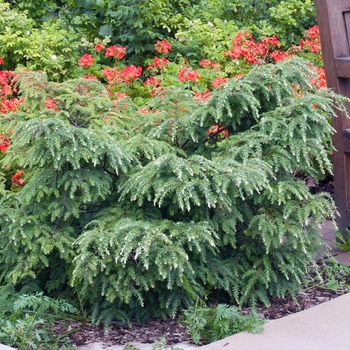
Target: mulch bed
[{"x": 122, "y": 333}]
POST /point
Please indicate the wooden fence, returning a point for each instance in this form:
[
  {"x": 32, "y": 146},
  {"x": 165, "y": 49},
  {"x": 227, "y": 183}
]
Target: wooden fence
[{"x": 334, "y": 24}]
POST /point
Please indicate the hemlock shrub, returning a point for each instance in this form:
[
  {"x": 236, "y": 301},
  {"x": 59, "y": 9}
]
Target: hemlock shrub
[{"x": 153, "y": 210}]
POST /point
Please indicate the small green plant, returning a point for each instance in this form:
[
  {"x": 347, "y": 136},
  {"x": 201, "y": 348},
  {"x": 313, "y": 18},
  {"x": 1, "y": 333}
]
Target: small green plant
[
  {"x": 331, "y": 275},
  {"x": 212, "y": 324},
  {"x": 160, "y": 344},
  {"x": 26, "y": 321},
  {"x": 342, "y": 242}
]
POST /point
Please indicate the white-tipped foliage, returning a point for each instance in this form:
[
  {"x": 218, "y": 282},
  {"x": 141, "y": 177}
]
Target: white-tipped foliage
[{"x": 151, "y": 210}]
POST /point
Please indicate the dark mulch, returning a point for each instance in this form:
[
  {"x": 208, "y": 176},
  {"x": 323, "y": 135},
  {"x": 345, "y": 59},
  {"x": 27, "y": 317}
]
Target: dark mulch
[{"x": 121, "y": 333}]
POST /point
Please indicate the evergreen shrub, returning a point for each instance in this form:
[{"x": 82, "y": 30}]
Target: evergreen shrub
[{"x": 151, "y": 210}]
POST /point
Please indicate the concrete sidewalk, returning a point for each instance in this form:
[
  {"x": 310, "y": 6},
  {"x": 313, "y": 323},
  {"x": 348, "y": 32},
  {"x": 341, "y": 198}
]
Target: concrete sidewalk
[{"x": 323, "y": 327}]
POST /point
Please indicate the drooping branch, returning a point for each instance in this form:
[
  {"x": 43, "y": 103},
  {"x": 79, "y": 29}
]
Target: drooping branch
[
  {"x": 113, "y": 173},
  {"x": 209, "y": 137}
]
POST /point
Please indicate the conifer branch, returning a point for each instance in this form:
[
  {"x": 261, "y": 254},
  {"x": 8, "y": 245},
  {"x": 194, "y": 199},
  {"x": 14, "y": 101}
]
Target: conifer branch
[
  {"x": 113, "y": 173},
  {"x": 213, "y": 134},
  {"x": 184, "y": 143}
]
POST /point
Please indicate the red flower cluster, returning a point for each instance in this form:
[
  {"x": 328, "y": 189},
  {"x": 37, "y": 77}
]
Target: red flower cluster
[
  {"x": 6, "y": 77},
  {"x": 50, "y": 104},
  {"x": 313, "y": 41},
  {"x": 99, "y": 47},
  {"x": 158, "y": 63},
  {"x": 1, "y": 60},
  {"x": 120, "y": 95},
  {"x": 4, "y": 143},
  {"x": 218, "y": 82},
  {"x": 86, "y": 60},
  {"x": 320, "y": 81},
  {"x": 278, "y": 56},
  {"x": 89, "y": 76},
  {"x": 198, "y": 96},
  {"x": 7, "y": 88},
  {"x": 130, "y": 73},
  {"x": 115, "y": 51},
  {"x": 158, "y": 92},
  {"x": 152, "y": 81},
  {"x": 244, "y": 46},
  {"x": 115, "y": 77},
  {"x": 10, "y": 105},
  {"x": 162, "y": 46},
  {"x": 188, "y": 74},
  {"x": 17, "y": 178},
  {"x": 209, "y": 64}
]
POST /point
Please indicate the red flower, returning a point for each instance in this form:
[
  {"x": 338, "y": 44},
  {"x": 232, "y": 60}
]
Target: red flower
[
  {"x": 193, "y": 75},
  {"x": 152, "y": 81},
  {"x": 99, "y": 47},
  {"x": 1, "y": 60},
  {"x": 202, "y": 96},
  {"x": 127, "y": 74},
  {"x": 115, "y": 51},
  {"x": 313, "y": 32},
  {"x": 4, "y": 143},
  {"x": 158, "y": 63},
  {"x": 162, "y": 46},
  {"x": 278, "y": 56},
  {"x": 50, "y": 104},
  {"x": 130, "y": 73},
  {"x": 218, "y": 82},
  {"x": 89, "y": 76},
  {"x": 120, "y": 95},
  {"x": 188, "y": 74},
  {"x": 206, "y": 63},
  {"x": 17, "y": 178},
  {"x": 244, "y": 46},
  {"x": 86, "y": 61}
]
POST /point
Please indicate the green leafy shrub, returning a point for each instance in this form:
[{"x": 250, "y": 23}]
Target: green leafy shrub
[
  {"x": 210, "y": 31},
  {"x": 33, "y": 46},
  {"x": 155, "y": 209},
  {"x": 135, "y": 24}
]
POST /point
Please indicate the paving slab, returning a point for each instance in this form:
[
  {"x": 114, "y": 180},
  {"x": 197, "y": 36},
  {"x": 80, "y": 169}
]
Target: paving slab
[
  {"x": 323, "y": 327},
  {"x": 343, "y": 259},
  {"x": 140, "y": 346},
  {"x": 4, "y": 347}
]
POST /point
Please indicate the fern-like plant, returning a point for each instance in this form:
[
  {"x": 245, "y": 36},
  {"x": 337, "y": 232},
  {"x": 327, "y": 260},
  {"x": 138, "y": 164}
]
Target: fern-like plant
[
  {"x": 212, "y": 324},
  {"x": 155, "y": 210}
]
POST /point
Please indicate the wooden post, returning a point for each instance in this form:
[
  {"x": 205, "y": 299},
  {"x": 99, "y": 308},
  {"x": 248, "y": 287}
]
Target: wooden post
[{"x": 334, "y": 25}]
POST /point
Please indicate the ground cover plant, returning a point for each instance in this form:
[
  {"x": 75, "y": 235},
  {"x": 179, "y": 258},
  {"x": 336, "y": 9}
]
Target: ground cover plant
[{"x": 132, "y": 188}]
